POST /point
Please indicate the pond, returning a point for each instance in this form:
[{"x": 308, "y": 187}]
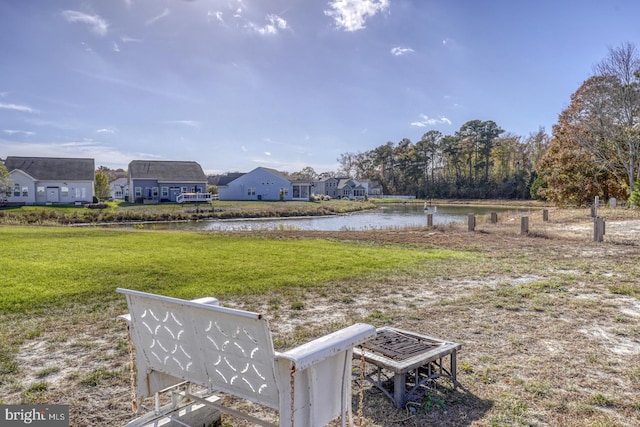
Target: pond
[{"x": 390, "y": 216}]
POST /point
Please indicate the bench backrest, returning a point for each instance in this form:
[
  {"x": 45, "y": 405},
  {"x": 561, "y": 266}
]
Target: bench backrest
[{"x": 221, "y": 348}]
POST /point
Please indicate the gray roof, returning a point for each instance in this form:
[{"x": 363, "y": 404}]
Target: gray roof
[
  {"x": 166, "y": 171},
  {"x": 224, "y": 180},
  {"x": 52, "y": 168}
]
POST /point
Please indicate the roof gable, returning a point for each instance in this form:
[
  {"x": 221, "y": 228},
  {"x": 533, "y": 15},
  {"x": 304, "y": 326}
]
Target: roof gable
[
  {"x": 224, "y": 180},
  {"x": 274, "y": 172},
  {"x": 53, "y": 168},
  {"x": 166, "y": 171}
]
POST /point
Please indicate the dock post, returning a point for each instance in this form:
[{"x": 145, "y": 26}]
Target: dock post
[{"x": 598, "y": 229}]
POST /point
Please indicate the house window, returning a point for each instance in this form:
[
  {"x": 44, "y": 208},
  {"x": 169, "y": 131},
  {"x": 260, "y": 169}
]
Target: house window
[
  {"x": 165, "y": 192},
  {"x": 25, "y": 191},
  {"x": 155, "y": 192},
  {"x": 183, "y": 189},
  {"x": 40, "y": 192},
  {"x": 118, "y": 194},
  {"x": 251, "y": 191},
  {"x": 138, "y": 191},
  {"x": 64, "y": 191},
  {"x": 16, "y": 190},
  {"x": 81, "y": 194}
]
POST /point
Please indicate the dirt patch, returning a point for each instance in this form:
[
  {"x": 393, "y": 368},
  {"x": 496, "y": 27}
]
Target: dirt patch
[{"x": 548, "y": 322}]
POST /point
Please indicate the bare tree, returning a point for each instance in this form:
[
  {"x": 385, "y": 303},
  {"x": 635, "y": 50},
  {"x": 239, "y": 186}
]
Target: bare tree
[
  {"x": 614, "y": 113},
  {"x": 347, "y": 163}
]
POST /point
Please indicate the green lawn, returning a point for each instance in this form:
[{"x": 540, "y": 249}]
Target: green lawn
[{"x": 55, "y": 267}]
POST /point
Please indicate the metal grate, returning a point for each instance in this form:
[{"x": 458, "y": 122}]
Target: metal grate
[{"x": 400, "y": 346}]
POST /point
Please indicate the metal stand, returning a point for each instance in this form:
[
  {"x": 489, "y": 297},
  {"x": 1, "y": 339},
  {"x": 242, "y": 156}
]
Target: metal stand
[{"x": 415, "y": 361}]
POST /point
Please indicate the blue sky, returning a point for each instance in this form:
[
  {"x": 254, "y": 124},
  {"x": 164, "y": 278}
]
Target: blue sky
[{"x": 237, "y": 84}]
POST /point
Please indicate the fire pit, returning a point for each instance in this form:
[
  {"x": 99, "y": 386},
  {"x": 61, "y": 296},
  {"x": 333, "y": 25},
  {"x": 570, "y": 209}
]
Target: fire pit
[{"x": 414, "y": 359}]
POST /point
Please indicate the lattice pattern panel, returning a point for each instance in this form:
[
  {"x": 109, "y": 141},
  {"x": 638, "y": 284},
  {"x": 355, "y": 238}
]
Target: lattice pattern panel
[
  {"x": 225, "y": 349},
  {"x": 240, "y": 359}
]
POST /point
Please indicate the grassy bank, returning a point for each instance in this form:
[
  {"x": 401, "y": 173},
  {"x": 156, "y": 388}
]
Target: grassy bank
[{"x": 111, "y": 212}]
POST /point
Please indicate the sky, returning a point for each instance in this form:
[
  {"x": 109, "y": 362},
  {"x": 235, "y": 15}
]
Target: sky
[{"x": 286, "y": 84}]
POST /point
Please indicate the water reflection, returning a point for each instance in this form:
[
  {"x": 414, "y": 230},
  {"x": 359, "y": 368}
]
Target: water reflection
[{"x": 386, "y": 217}]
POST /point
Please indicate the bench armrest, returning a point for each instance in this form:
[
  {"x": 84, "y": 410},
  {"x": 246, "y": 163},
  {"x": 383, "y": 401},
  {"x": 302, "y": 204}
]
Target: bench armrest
[{"x": 306, "y": 355}]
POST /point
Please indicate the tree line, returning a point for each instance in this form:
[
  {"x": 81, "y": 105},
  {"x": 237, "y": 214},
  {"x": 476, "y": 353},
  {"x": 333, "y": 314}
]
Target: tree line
[
  {"x": 480, "y": 160},
  {"x": 594, "y": 150}
]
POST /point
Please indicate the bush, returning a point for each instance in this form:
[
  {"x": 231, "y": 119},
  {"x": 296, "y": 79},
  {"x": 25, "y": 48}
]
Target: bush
[{"x": 97, "y": 206}]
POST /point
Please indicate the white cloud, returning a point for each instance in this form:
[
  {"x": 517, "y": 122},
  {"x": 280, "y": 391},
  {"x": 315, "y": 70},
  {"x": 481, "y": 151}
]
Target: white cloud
[
  {"x": 104, "y": 155},
  {"x": 190, "y": 123},
  {"x": 16, "y": 107},
  {"x": 399, "y": 51},
  {"x": 449, "y": 43},
  {"x": 267, "y": 153},
  {"x": 274, "y": 25},
  {"x": 166, "y": 12},
  {"x": 105, "y": 130},
  {"x": 429, "y": 121},
  {"x": 351, "y": 15},
  {"x": 217, "y": 15},
  {"x": 244, "y": 148},
  {"x": 14, "y": 132},
  {"x": 115, "y": 47},
  {"x": 97, "y": 24},
  {"x": 127, "y": 39}
]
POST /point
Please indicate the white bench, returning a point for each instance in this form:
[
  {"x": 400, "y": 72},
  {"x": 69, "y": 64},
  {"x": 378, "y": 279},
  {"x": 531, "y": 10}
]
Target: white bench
[{"x": 231, "y": 351}]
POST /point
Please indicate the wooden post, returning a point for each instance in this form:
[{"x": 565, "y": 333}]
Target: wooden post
[
  {"x": 430, "y": 220},
  {"x": 524, "y": 225},
  {"x": 545, "y": 215},
  {"x": 598, "y": 229},
  {"x": 471, "y": 220},
  {"x": 494, "y": 217},
  {"x": 594, "y": 208}
]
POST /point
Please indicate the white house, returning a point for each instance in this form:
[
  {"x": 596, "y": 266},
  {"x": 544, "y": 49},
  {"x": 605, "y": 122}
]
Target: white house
[
  {"x": 263, "y": 184},
  {"x": 119, "y": 188},
  {"x": 340, "y": 187},
  {"x": 50, "y": 180}
]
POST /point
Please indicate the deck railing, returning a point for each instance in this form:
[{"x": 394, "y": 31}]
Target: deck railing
[{"x": 195, "y": 197}]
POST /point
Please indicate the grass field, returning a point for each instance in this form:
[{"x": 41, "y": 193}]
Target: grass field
[{"x": 53, "y": 267}]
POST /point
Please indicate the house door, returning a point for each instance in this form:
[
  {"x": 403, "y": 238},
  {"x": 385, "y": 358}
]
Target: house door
[{"x": 53, "y": 194}]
